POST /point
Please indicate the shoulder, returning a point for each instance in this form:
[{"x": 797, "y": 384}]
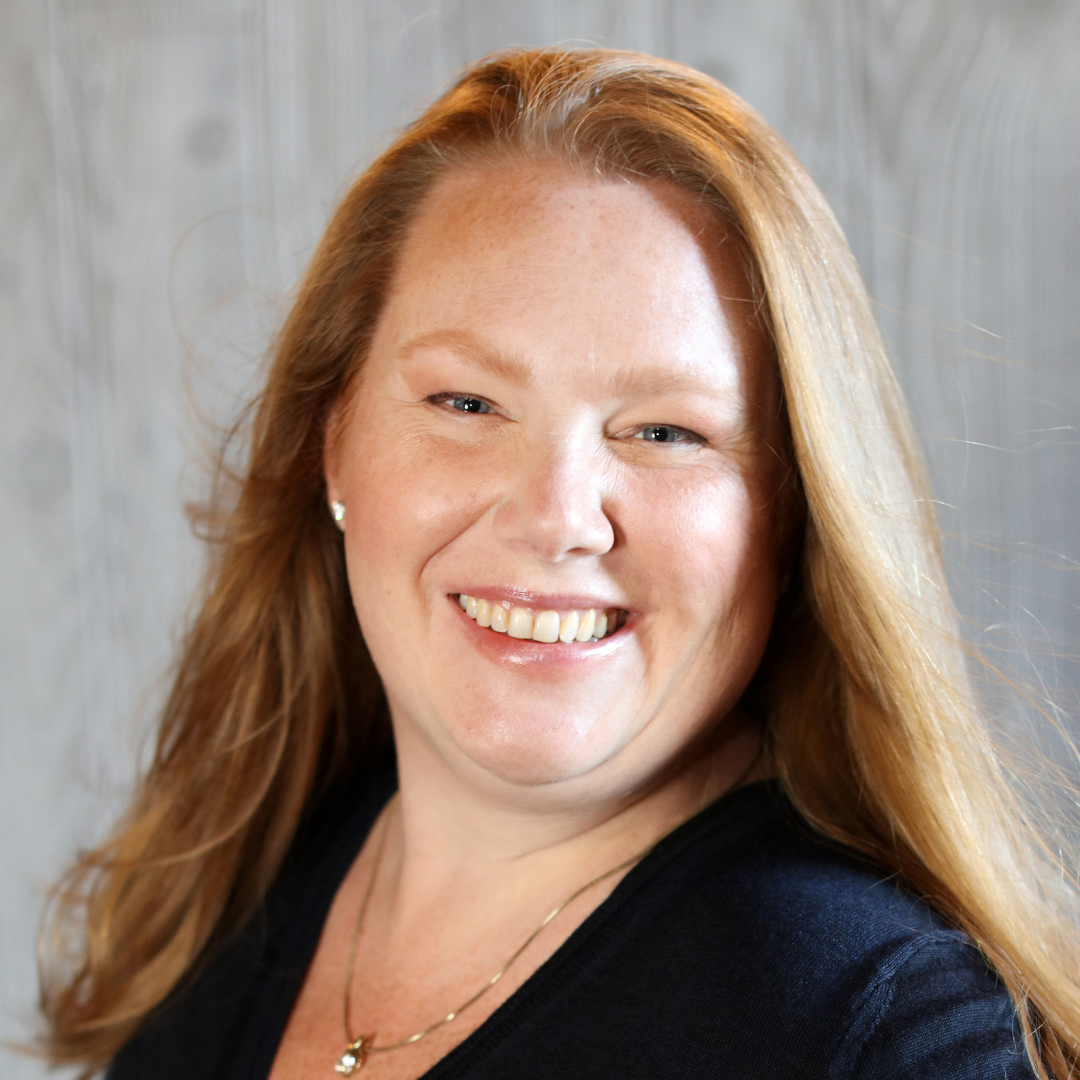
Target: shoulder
[
  {"x": 226, "y": 1018},
  {"x": 824, "y": 963},
  {"x": 754, "y": 860}
]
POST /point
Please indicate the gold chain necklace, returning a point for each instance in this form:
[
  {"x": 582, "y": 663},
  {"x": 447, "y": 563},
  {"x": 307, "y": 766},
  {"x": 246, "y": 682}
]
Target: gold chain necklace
[{"x": 359, "y": 1048}]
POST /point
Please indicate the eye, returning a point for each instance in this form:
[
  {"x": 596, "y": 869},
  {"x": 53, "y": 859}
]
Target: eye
[
  {"x": 461, "y": 403},
  {"x": 667, "y": 433}
]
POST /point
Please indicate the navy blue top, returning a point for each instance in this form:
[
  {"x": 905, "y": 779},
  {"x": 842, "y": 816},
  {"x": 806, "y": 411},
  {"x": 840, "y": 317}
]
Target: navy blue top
[{"x": 741, "y": 947}]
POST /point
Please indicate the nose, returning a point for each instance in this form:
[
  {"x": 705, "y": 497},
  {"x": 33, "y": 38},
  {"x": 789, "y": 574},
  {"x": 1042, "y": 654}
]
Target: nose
[{"x": 554, "y": 502}]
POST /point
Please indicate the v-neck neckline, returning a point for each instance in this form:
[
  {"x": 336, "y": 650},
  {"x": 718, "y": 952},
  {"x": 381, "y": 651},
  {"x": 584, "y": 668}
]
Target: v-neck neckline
[
  {"x": 300, "y": 920},
  {"x": 735, "y": 812}
]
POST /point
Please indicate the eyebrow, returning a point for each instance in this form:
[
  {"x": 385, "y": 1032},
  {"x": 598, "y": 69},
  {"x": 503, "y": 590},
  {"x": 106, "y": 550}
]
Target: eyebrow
[
  {"x": 631, "y": 380},
  {"x": 638, "y": 380},
  {"x": 475, "y": 350}
]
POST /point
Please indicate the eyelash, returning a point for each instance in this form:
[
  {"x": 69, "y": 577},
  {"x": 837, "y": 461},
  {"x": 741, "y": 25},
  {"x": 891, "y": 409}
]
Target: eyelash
[
  {"x": 479, "y": 407},
  {"x": 449, "y": 399},
  {"x": 684, "y": 435}
]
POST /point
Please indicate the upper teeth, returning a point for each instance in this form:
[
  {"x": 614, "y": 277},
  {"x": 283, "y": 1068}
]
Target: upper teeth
[{"x": 589, "y": 624}]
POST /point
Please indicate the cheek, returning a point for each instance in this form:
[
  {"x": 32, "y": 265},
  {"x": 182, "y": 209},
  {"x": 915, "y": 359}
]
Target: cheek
[
  {"x": 408, "y": 496},
  {"x": 706, "y": 546}
]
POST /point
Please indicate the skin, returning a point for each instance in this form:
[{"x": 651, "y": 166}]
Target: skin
[{"x": 586, "y": 317}]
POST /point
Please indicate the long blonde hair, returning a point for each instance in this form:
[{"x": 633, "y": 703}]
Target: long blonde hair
[{"x": 871, "y": 723}]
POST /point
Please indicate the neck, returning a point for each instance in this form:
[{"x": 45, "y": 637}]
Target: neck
[{"x": 459, "y": 833}]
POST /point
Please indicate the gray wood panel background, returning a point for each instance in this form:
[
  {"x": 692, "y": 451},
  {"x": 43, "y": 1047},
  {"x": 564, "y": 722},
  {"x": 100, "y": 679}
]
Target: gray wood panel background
[{"x": 167, "y": 165}]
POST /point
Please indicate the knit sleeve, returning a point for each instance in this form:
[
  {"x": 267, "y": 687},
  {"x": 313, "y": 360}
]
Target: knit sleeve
[{"x": 933, "y": 1010}]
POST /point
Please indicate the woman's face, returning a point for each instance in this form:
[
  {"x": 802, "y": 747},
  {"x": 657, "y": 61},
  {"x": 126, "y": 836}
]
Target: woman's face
[{"x": 565, "y": 409}]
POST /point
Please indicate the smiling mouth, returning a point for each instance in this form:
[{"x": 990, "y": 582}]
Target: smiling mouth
[{"x": 572, "y": 625}]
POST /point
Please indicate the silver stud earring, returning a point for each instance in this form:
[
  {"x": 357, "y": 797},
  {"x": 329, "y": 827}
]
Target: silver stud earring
[{"x": 338, "y": 510}]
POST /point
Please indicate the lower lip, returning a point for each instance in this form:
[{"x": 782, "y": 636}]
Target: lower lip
[{"x": 504, "y": 649}]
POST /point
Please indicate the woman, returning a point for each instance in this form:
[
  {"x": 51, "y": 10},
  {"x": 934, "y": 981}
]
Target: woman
[{"x": 619, "y": 727}]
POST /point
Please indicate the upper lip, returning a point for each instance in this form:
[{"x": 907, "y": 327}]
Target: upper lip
[{"x": 515, "y": 595}]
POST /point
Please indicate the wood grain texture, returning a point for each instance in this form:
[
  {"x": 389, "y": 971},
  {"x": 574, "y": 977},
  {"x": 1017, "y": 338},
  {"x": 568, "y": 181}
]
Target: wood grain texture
[{"x": 167, "y": 167}]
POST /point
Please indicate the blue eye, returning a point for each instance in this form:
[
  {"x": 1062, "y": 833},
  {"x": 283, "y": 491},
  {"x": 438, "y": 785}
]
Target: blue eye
[
  {"x": 461, "y": 403},
  {"x": 665, "y": 433},
  {"x": 470, "y": 404}
]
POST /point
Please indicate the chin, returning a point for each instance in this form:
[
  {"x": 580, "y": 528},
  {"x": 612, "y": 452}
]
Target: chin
[{"x": 536, "y": 747}]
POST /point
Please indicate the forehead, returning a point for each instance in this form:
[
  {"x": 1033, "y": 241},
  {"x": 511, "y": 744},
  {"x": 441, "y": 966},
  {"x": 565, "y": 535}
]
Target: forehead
[
  {"x": 543, "y": 259},
  {"x": 497, "y": 214}
]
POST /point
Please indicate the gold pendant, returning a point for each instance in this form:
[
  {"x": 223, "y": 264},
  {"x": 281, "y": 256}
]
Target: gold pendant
[{"x": 353, "y": 1058}]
